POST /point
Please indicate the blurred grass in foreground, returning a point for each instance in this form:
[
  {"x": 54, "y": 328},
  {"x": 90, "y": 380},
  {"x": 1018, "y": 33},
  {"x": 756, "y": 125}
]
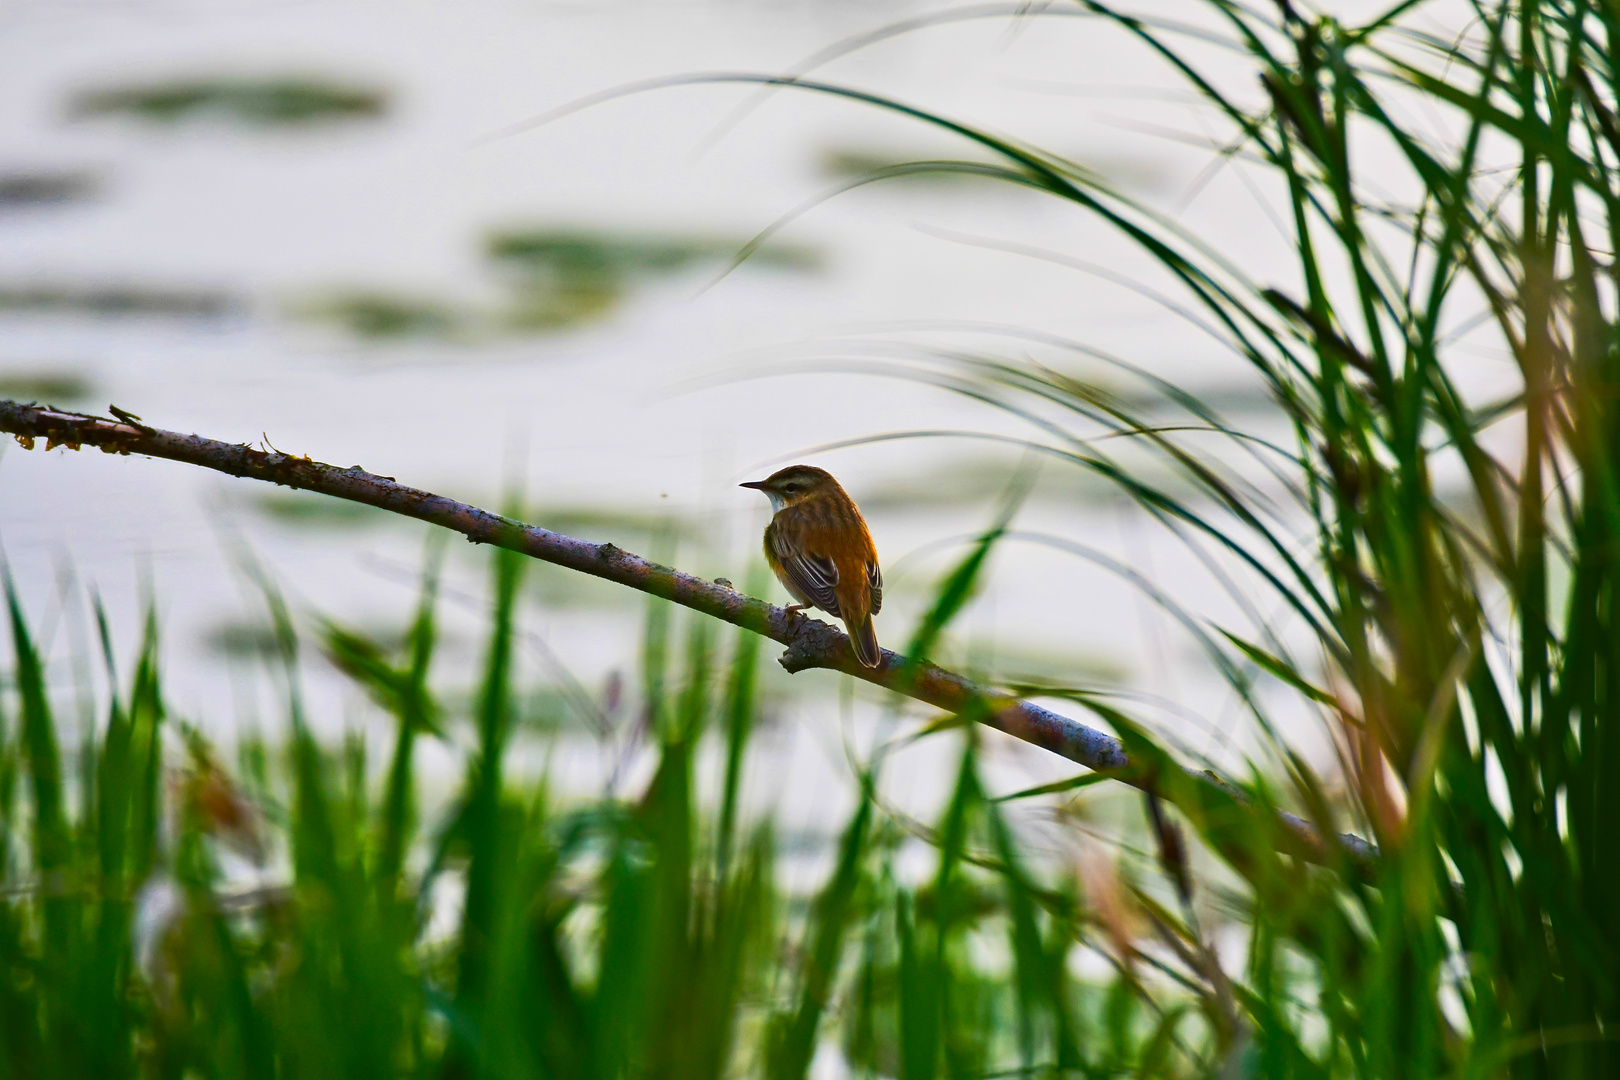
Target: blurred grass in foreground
[{"x": 518, "y": 934}]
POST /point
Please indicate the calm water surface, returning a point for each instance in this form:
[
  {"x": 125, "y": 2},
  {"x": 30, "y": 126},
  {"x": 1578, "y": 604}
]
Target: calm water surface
[{"x": 656, "y": 409}]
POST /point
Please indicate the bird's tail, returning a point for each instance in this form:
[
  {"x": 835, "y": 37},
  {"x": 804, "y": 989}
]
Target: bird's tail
[{"x": 864, "y": 640}]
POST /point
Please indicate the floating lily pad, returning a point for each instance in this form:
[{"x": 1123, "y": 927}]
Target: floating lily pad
[
  {"x": 562, "y": 278},
  {"x": 50, "y": 387},
  {"x": 373, "y": 314},
  {"x": 249, "y": 640},
  {"x": 587, "y": 255},
  {"x": 24, "y": 189},
  {"x": 319, "y": 511},
  {"x": 552, "y": 280},
  {"x": 600, "y": 523},
  {"x": 258, "y": 102},
  {"x": 562, "y": 303},
  {"x": 92, "y": 299},
  {"x": 257, "y": 640},
  {"x": 580, "y": 255}
]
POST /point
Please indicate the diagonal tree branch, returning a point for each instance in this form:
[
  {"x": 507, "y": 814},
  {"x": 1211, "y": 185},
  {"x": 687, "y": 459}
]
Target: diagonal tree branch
[{"x": 810, "y": 642}]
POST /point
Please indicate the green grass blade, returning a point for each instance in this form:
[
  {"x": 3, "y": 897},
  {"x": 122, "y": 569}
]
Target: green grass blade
[{"x": 791, "y": 1040}]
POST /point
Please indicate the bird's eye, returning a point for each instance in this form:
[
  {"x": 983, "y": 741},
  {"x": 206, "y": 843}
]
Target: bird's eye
[{"x": 790, "y": 488}]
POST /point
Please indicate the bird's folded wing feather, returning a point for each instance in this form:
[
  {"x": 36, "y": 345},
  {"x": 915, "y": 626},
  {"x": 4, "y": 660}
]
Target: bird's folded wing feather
[
  {"x": 813, "y": 575},
  {"x": 874, "y": 586}
]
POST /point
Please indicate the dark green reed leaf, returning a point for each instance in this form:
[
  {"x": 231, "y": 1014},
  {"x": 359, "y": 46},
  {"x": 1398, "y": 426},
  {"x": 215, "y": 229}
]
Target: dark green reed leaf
[
  {"x": 417, "y": 710},
  {"x": 482, "y": 819},
  {"x": 1040, "y": 989},
  {"x": 918, "y": 994},
  {"x": 665, "y": 821},
  {"x": 952, "y": 901},
  {"x": 1156, "y": 1055},
  {"x": 401, "y": 689},
  {"x": 50, "y": 840},
  {"x": 791, "y": 1039},
  {"x": 622, "y": 1002},
  {"x": 1281, "y": 669},
  {"x": 739, "y": 708},
  {"x": 655, "y": 648},
  {"x": 1057, "y": 787},
  {"x": 146, "y": 716}
]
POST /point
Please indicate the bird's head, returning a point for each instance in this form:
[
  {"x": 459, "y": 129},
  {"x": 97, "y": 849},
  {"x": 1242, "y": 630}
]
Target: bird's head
[{"x": 794, "y": 484}]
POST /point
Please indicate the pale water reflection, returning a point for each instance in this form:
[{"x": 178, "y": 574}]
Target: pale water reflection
[{"x": 422, "y": 366}]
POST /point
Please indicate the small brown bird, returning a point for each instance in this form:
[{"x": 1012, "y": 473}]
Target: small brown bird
[{"x": 818, "y": 546}]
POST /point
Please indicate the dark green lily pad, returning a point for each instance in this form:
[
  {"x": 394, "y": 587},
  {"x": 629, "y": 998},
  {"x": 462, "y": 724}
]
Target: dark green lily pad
[
  {"x": 257, "y": 640},
  {"x": 579, "y": 255},
  {"x": 25, "y": 189},
  {"x": 304, "y": 509},
  {"x": 562, "y": 303},
  {"x": 246, "y": 640},
  {"x": 258, "y": 102},
  {"x": 373, "y": 314},
  {"x": 563, "y": 278},
  {"x": 91, "y": 299},
  {"x": 598, "y": 523},
  {"x": 553, "y": 280},
  {"x": 49, "y": 387}
]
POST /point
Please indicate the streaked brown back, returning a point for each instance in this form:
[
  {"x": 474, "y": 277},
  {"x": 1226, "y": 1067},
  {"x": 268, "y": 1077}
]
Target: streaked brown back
[{"x": 829, "y": 525}]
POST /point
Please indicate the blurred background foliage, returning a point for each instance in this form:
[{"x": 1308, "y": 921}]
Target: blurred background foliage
[{"x": 1423, "y": 566}]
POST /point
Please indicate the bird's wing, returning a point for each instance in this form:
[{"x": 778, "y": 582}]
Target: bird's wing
[
  {"x": 813, "y": 575},
  {"x": 874, "y": 586}
]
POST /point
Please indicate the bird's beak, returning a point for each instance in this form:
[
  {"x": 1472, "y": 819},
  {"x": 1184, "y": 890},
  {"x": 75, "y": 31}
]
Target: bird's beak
[{"x": 757, "y": 485}]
